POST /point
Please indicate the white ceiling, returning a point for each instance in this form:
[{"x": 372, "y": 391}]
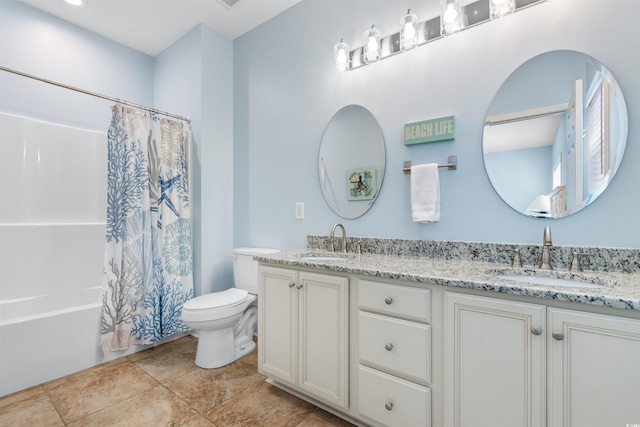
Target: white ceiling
[
  {"x": 150, "y": 26},
  {"x": 530, "y": 133}
]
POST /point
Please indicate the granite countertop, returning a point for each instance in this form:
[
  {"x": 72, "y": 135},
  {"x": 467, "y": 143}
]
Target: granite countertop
[{"x": 620, "y": 290}]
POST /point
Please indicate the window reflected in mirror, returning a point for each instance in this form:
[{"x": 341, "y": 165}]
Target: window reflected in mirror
[{"x": 555, "y": 134}]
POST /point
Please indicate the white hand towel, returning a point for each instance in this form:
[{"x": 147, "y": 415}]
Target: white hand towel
[{"x": 425, "y": 193}]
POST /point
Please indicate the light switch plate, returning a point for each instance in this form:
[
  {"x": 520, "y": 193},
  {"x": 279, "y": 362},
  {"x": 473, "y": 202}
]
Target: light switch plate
[{"x": 299, "y": 210}]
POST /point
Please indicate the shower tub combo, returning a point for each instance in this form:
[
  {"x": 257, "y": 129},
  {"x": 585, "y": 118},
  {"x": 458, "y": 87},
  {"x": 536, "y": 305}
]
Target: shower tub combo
[{"x": 52, "y": 231}]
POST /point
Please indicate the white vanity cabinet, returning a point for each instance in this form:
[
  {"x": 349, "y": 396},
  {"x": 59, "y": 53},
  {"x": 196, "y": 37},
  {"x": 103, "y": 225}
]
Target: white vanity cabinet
[
  {"x": 509, "y": 363},
  {"x": 594, "y": 370},
  {"x": 303, "y": 332},
  {"x": 494, "y": 356},
  {"x": 394, "y": 354}
]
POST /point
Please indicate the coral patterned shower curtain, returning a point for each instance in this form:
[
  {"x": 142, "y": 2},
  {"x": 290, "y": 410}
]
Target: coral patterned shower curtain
[{"x": 148, "y": 264}]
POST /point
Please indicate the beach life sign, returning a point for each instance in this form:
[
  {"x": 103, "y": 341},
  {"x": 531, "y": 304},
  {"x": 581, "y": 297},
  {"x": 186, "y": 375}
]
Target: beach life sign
[{"x": 433, "y": 130}]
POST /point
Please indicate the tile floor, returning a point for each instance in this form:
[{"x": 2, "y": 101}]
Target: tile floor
[{"x": 162, "y": 386}]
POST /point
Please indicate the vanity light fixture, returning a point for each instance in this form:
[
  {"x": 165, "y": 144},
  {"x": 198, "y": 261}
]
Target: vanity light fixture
[
  {"x": 409, "y": 31},
  {"x": 450, "y": 17},
  {"x": 500, "y": 8},
  {"x": 371, "y": 51},
  {"x": 341, "y": 55},
  {"x": 453, "y": 18}
]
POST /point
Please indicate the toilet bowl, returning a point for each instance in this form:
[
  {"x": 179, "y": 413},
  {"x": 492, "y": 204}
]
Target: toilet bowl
[{"x": 225, "y": 321}]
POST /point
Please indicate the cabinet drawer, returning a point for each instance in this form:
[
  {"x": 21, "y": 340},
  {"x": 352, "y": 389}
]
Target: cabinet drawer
[
  {"x": 397, "y": 300},
  {"x": 392, "y": 401},
  {"x": 396, "y": 346}
]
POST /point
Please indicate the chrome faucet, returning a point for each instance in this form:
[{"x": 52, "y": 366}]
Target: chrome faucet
[
  {"x": 344, "y": 237},
  {"x": 516, "y": 260},
  {"x": 545, "y": 259},
  {"x": 575, "y": 263}
]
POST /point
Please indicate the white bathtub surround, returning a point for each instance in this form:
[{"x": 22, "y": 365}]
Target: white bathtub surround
[
  {"x": 148, "y": 264},
  {"x": 52, "y": 227}
]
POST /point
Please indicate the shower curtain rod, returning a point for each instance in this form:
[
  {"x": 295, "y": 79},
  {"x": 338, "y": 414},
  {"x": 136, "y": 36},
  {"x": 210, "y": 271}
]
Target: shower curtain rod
[{"x": 98, "y": 95}]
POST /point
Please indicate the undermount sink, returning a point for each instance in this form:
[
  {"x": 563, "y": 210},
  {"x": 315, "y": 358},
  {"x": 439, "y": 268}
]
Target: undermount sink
[
  {"x": 550, "y": 281},
  {"x": 325, "y": 256}
]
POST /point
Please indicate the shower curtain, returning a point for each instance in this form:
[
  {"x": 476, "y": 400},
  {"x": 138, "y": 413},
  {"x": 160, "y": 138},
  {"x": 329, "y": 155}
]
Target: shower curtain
[{"x": 148, "y": 264}]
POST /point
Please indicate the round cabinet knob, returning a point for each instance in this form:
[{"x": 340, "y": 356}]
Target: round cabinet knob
[
  {"x": 536, "y": 330},
  {"x": 388, "y": 406},
  {"x": 388, "y": 346},
  {"x": 299, "y": 285},
  {"x": 557, "y": 335},
  {"x": 388, "y": 300},
  {"x": 291, "y": 285}
]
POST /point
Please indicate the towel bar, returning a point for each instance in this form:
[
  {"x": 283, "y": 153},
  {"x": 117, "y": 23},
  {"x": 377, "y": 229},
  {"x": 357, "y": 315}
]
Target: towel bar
[{"x": 452, "y": 165}]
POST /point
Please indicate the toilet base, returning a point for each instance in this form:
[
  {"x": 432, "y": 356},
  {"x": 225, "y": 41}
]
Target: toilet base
[
  {"x": 244, "y": 346},
  {"x": 217, "y": 348}
]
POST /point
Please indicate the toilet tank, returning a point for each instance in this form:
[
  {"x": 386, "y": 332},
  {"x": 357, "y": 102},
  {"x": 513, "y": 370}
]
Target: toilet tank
[{"x": 245, "y": 269}]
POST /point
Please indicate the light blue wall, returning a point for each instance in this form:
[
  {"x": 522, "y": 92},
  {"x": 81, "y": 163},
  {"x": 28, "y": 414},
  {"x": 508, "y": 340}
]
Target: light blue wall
[
  {"x": 191, "y": 78},
  {"x": 286, "y": 91},
  {"x": 260, "y": 105},
  {"x": 40, "y": 44},
  {"x": 520, "y": 175},
  {"x": 194, "y": 77}
]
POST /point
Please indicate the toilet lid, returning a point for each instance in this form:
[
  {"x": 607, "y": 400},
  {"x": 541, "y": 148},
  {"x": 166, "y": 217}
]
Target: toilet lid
[{"x": 227, "y": 298}]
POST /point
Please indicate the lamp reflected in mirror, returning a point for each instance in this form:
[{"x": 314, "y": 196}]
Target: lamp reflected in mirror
[{"x": 540, "y": 207}]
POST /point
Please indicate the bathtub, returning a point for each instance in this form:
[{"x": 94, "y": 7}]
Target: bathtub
[
  {"x": 53, "y": 186},
  {"x": 49, "y": 317},
  {"x": 52, "y": 231}
]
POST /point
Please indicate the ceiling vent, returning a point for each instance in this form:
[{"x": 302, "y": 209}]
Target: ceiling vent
[{"x": 228, "y": 3}]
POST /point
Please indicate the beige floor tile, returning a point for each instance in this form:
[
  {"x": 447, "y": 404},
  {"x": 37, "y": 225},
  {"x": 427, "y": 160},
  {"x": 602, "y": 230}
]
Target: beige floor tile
[
  {"x": 155, "y": 407},
  {"x": 320, "y": 418},
  {"x": 161, "y": 348},
  {"x": 86, "y": 392},
  {"x": 197, "y": 420},
  {"x": 262, "y": 405},
  {"x": 30, "y": 407},
  {"x": 177, "y": 358},
  {"x": 127, "y": 392},
  {"x": 205, "y": 388}
]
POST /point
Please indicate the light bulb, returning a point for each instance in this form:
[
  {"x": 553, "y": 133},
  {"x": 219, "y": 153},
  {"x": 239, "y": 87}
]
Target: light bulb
[
  {"x": 409, "y": 31},
  {"x": 371, "y": 45},
  {"x": 341, "y": 55},
  {"x": 500, "y": 8},
  {"x": 450, "y": 15}
]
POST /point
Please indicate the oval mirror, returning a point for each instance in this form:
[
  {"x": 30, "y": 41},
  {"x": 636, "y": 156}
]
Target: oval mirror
[
  {"x": 351, "y": 161},
  {"x": 555, "y": 134}
]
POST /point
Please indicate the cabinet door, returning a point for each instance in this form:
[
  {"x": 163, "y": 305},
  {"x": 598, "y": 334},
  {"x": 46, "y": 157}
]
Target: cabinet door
[
  {"x": 494, "y": 362},
  {"x": 323, "y": 337},
  {"x": 594, "y": 370},
  {"x": 278, "y": 323}
]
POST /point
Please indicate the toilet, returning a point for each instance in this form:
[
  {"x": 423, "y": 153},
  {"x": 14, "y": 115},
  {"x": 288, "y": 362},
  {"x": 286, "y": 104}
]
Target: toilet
[{"x": 226, "y": 321}]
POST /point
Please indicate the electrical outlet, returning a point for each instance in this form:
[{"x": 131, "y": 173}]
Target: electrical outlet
[{"x": 299, "y": 210}]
